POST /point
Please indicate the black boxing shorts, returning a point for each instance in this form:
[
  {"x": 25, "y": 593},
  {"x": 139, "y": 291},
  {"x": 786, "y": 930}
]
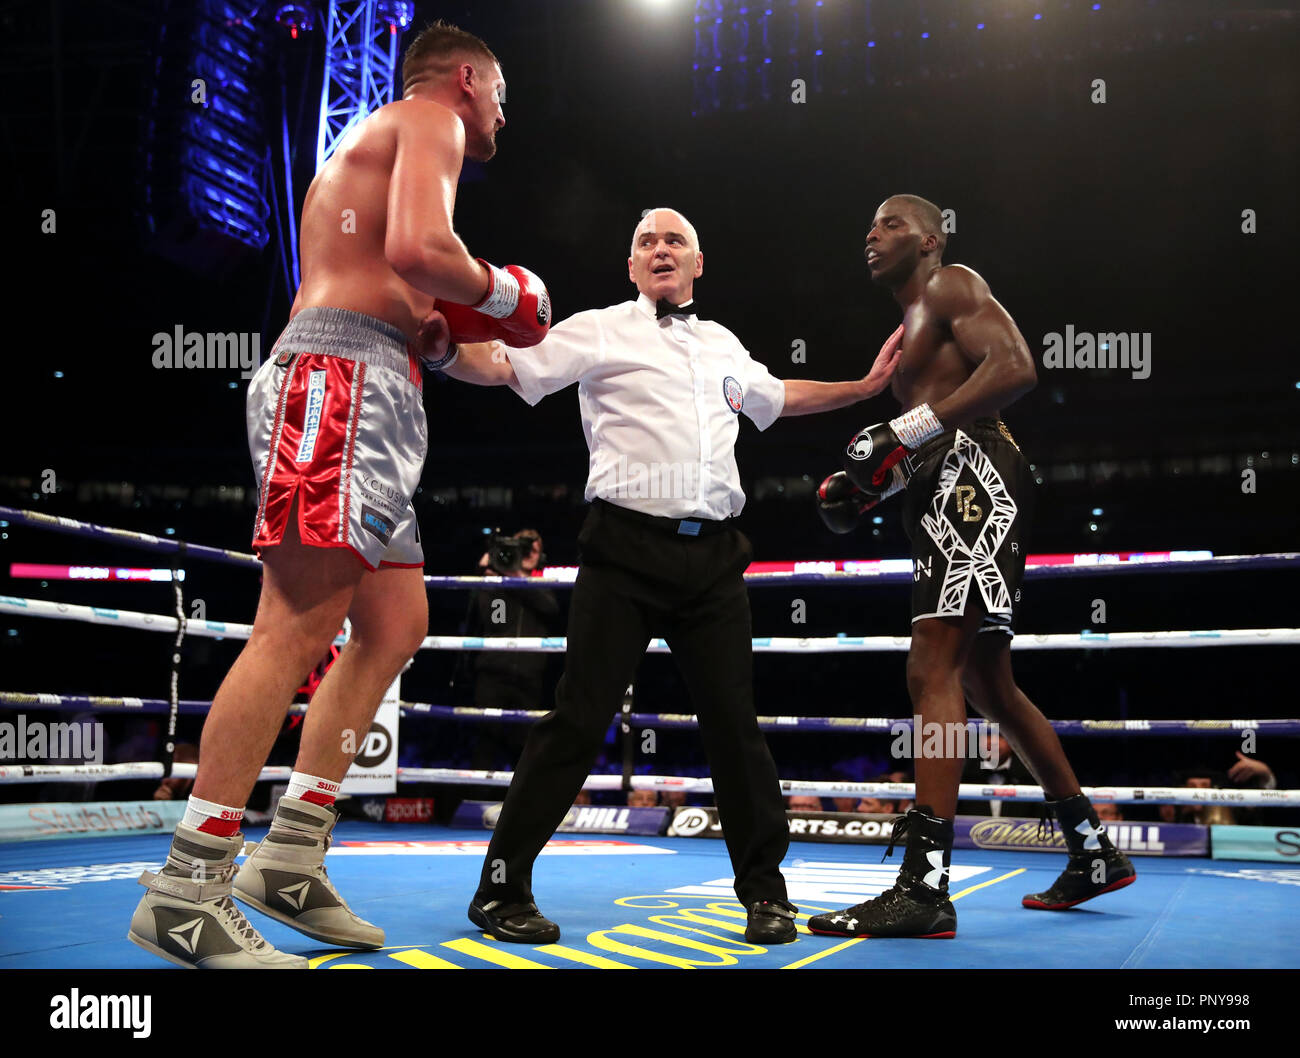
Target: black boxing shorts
[{"x": 966, "y": 512}]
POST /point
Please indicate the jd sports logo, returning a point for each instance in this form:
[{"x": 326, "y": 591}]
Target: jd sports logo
[
  {"x": 295, "y": 895},
  {"x": 186, "y": 935},
  {"x": 690, "y": 821},
  {"x": 374, "y": 750}
]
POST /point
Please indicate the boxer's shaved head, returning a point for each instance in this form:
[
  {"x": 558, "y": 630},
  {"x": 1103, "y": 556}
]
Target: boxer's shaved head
[
  {"x": 438, "y": 50},
  {"x": 924, "y": 214},
  {"x": 446, "y": 65},
  {"x": 661, "y": 220},
  {"x": 906, "y": 234}
]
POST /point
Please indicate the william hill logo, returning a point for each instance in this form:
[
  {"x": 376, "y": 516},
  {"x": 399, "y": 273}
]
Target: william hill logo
[
  {"x": 1000, "y": 833},
  {"x": 1023, "y": 834},
  {"x": 587, "y": 817}
]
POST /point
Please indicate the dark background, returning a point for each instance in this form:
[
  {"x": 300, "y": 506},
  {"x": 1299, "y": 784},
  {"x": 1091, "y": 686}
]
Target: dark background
[{"x": 1122, "y": 216}]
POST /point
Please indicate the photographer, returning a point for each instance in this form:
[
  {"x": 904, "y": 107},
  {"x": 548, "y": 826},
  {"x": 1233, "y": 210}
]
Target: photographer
[{"x": 509, "y": 679}]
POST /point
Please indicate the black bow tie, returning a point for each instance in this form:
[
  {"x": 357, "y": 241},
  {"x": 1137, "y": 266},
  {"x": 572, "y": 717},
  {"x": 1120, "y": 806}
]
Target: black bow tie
[{"x": 667, "y": 308}]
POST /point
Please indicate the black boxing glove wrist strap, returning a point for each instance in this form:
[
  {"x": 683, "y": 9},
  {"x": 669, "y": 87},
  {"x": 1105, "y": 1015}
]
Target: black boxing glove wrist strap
[
  {"x": 445, "y": 361},
  {"x": 916, "y": 427}
]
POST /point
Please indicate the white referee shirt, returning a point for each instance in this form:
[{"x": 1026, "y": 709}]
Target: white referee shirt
[{"x": 660, "y": 402}]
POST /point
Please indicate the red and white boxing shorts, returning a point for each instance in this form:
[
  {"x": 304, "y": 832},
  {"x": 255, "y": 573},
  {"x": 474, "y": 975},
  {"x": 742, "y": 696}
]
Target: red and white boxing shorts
[{"x": 336, "y": 420}]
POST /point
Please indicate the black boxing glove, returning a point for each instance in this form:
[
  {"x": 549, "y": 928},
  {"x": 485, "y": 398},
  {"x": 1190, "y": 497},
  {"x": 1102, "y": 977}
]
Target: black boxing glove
[
  {"x": 874, "y": 454},
  {"x": 841, "y": 504}
]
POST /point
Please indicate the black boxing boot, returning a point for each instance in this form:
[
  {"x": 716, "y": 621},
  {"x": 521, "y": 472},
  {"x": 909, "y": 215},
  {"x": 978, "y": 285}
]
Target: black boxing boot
[
  {"x": 918, "y": 904},
  {"x": 1095, "y": 866}
]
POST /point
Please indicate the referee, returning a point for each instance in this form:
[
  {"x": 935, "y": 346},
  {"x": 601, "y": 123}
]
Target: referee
[{"x": 660, "y": 392}]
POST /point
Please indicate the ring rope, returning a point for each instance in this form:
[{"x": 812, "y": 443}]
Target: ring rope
[
  {"x": 761, "y": 645},
  {"x": 822, "y": 572},
  {"x": 39, "y": 773},
  {"x": 1284, "y": 728}
]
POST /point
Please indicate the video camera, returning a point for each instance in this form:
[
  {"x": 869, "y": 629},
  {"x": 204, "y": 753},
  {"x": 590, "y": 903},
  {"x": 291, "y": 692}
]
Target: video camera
[{"x": 506, "y": 553}]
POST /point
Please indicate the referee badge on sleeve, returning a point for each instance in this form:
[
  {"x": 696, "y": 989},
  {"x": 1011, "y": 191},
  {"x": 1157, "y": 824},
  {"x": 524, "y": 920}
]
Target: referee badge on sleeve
[{"x": 733, "y": 393}]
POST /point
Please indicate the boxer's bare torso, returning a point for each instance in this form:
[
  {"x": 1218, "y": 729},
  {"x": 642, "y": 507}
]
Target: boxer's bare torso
[
  {"x": 347, "y": 226},
  {"x": 962, "y": 353},
  {"x": 933, "y": 364}
]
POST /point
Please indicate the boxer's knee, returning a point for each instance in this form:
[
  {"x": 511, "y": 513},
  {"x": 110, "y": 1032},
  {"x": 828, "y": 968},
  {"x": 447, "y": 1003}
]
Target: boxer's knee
[
  {"x": 938, "y": 655},
  {"x": 294, "y": 649},
  {"x": 388, "y": 648},
  {"x": 929, "y": 670},
  {"x": 987, "y": 679},
  {"x": 976, "y": 686},
  {"x": 927, "y": 683},
  {"x": 390, "y": 615}
]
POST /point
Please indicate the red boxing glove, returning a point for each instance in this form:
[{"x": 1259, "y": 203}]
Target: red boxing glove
[{"x": 515, "y": 310}]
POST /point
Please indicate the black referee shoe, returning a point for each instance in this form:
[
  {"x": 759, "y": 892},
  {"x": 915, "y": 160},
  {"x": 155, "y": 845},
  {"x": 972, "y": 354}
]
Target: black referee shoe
[
  {"x": 516, "y": 923},
  {"x": 771, "y": 922}
]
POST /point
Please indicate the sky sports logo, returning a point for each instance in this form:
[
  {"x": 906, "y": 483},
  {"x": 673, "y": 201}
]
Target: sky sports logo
[{"x": 311, "y": 418}]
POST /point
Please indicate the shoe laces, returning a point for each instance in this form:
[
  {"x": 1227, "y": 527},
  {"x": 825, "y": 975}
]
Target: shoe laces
[
  {"x": 231, "y": 917},
  {"x": 234, "y": 919},
  {"x": 898, "y": 829},
  {"x": 1046, "y": 827}
]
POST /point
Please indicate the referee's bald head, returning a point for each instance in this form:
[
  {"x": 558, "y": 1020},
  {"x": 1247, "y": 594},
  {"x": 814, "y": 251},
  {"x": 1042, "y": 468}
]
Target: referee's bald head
[
  {"x": 662, "y": 219},
  {"x": 665, "y": 258}
]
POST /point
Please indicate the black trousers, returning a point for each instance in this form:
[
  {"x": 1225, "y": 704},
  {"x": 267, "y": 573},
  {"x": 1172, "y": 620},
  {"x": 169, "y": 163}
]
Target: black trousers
[{"x": 639, "y": 581}]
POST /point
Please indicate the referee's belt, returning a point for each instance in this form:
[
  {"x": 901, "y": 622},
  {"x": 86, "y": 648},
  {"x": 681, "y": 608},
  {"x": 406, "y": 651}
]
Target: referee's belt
[{"x": 677, "y": 526}]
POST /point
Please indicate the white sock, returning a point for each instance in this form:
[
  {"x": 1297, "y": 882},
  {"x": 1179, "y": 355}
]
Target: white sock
[
  {"x": 212, "y": 818},
  {"x": 312, "y": 788}
]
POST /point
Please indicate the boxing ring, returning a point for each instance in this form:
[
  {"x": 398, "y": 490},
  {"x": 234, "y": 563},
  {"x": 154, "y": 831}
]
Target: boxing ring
[{"x": 629, "y": 900}]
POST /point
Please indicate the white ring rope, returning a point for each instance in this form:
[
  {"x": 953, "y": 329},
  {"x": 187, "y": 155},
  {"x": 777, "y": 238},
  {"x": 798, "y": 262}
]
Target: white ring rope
[
  {"x": 39, "y": 773},
  {"x": 762, "y": 644}
]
